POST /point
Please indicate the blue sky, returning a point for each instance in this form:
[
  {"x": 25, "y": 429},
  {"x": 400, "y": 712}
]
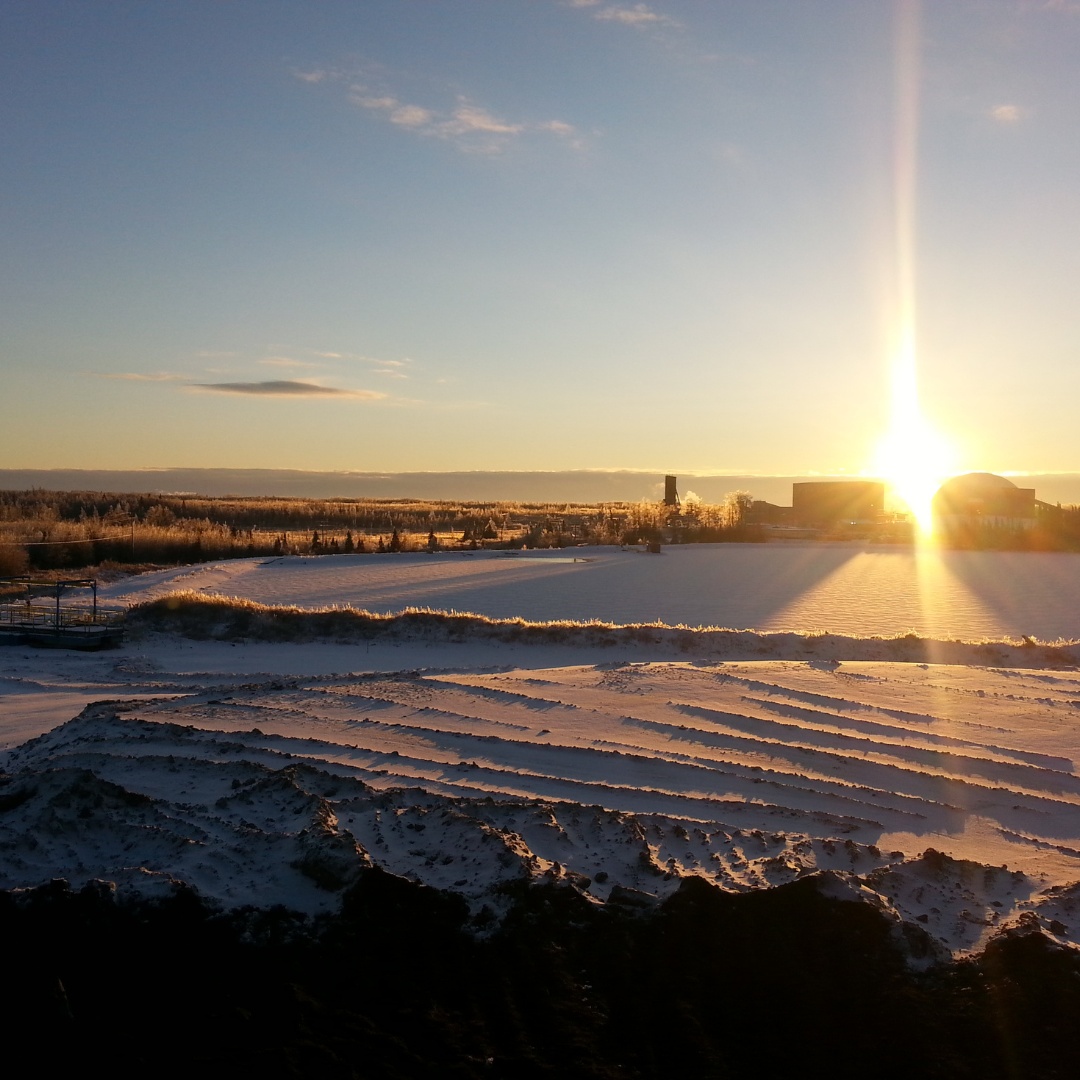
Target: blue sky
[{"x": 417, "y": 235}]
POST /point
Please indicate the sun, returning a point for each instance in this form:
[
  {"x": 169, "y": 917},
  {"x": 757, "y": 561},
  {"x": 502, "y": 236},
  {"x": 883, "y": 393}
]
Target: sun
[{"x": 913, "y": 458}]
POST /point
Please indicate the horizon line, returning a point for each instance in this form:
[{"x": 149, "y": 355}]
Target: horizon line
[{"x": 749, "y": 473}]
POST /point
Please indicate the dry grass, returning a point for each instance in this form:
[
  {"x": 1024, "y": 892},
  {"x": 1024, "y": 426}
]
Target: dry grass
[{"x": 200, "y": 617}]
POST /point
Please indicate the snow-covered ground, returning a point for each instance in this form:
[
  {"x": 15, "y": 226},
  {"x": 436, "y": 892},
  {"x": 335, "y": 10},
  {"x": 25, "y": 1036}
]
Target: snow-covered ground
[
  {"x": 841, "y": 588},
  {"x": 271, "y": 773}
]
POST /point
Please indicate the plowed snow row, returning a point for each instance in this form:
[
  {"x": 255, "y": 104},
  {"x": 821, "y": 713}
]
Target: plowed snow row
[{"x": 621, "y": 776}]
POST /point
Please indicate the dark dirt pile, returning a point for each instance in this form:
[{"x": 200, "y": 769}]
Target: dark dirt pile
[{"x": 708, "y": 984}]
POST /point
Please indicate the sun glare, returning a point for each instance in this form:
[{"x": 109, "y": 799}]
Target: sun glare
[{"x": 912, "y": 458}]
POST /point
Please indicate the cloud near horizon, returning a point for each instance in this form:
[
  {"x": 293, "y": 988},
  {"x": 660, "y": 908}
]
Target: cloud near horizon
[{"x": 286, "y": 388}]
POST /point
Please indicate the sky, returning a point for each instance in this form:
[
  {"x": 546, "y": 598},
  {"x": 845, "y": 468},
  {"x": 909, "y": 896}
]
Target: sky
[{"x": 404, "y": 235}]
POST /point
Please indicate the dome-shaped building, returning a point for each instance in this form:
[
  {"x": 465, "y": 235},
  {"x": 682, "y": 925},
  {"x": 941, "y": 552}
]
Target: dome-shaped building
[{"x": 983, "y": 499}]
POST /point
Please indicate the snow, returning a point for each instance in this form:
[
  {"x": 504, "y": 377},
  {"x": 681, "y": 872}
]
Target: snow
[
  {"x": 945, "y": 793},
  {"x": 843, "y": 588}
]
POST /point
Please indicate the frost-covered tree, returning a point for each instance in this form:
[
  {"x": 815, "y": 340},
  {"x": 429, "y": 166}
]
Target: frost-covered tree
[{"x": 736, "y": 508}]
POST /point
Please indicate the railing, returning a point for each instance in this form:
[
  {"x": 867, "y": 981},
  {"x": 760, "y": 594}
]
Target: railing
[{"x": 38, "y": 616}]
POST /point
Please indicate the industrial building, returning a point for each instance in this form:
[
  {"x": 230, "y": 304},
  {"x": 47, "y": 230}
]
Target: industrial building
[{"x": 826, "y": 503}]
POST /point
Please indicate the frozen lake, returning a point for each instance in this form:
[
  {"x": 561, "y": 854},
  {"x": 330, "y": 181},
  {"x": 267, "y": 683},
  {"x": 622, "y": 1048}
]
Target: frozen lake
[{"x": 780, "y": 586}]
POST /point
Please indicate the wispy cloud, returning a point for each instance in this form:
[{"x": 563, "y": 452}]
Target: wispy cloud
[
  {"x": 468, "y": 125},
  {"x": 409, "y": 116},
  {"x": 468, "y": 118},
  {"x": 1007, "y": 114},
  {"x": 375, "y": 362},
  {"x": 138, "y": 376},
  {"x": 637, "y": 15},
  {"x": 388, "y": 369},
  {"x": 286, "y": 388},
  {"x": 288, "y": 362},
  {"x": 559, "y": 127},
  {"x": 461, "y": 121}
]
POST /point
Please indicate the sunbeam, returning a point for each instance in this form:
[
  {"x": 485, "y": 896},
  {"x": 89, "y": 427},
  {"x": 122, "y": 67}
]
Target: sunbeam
[{"x": 912, "y": 457}]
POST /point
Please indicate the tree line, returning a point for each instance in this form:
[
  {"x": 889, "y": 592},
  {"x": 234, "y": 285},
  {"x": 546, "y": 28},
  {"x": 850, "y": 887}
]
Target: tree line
[{"x": 59, "y": 530}]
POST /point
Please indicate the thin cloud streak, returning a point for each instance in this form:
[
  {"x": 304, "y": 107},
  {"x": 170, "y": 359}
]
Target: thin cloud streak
[
  {"x": 286, "y": 388},
  {"x": 286, "y": 362},
  {"x": 135, "y": 376}
]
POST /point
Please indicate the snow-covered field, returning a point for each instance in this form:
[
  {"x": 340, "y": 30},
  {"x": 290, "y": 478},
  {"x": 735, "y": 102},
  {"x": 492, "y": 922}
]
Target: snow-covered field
[
  {"x": 272, "y": 773},
  {"x": 847, "y": 589}
]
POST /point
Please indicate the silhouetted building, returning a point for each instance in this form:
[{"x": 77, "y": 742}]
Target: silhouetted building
[
  {"x": 671, "y": 495},
  {"x": 824, "y": 503},
  {"x": 767, "y": 513},
  {"x": 983, "y": 499}
]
